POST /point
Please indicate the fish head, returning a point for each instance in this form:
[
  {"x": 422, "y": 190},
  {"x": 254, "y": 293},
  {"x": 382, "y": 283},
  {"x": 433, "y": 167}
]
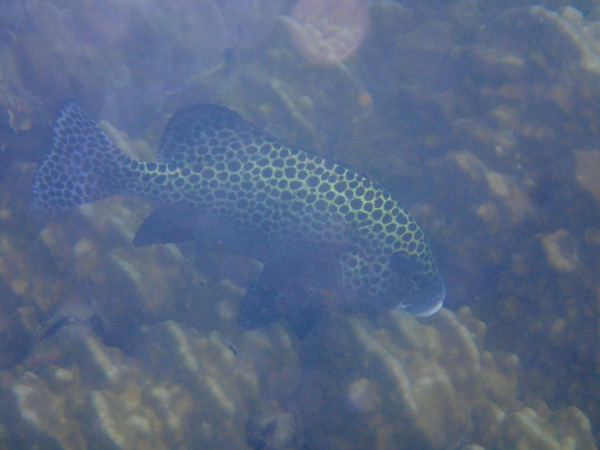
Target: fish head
[
  {"x": 415, "y": 284},
  {"x": 378, "y": 282}
]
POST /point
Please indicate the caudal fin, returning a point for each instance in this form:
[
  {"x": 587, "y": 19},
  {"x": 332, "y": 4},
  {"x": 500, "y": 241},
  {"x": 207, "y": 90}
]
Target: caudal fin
[{"x": 83, "y": 166}]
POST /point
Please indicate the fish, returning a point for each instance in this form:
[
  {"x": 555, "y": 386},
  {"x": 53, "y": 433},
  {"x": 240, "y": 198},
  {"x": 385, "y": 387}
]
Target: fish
[{"x": 330, "y": 238}]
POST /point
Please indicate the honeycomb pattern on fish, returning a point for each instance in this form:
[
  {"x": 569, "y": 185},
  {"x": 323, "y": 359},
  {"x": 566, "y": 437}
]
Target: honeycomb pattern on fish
[{"x": 212, "y": 160}]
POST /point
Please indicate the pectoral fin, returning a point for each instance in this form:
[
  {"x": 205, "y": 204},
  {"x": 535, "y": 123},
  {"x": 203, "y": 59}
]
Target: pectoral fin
[
  {"x": 288, "y": 288},
  {"x": 171, "y": 224},
  {"x": 165, "y": 225}
]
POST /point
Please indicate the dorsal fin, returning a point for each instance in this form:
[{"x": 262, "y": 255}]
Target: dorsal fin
[{"x": 202, "y": 128}]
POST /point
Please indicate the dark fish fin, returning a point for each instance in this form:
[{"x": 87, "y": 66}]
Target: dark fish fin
[
  {"x": 258, "y": 308},
  {"x": 204, "y": 128},
  {"x": 305, "y": 320},
  {"x": 262, "y": 307},
  {"x": 83, "y": 166},
  {"x": 166, "y": 225},
  {"x": 288, "y": 289}
]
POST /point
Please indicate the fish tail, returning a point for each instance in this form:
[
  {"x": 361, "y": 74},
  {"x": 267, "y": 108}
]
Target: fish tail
[{"x": 84, "y": 165}]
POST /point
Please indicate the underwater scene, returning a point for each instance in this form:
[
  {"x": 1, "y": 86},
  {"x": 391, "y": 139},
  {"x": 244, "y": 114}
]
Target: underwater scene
[{"x": 299, "y": 224}]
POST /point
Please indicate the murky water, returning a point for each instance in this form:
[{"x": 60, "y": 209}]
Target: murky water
[{"x": 480, "y": 117}]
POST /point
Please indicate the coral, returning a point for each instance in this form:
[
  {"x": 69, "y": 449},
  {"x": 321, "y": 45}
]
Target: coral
[
  {"x": 427, "y": 373},
  {"x": 272, "y": 427},
  {"x": 561, "y": 250},
  {"x": 528, "y": 428},
  {"x": 508, "y": 201},
  {"x": 424, "y": 383},
  {"x": 587, "y": 169},
  {"x": 328, "y": 32},
  {"x": 181, "y": 389}
]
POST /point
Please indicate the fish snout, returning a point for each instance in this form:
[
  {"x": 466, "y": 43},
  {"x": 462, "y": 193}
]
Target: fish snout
[{"x": 431, "y": 303}]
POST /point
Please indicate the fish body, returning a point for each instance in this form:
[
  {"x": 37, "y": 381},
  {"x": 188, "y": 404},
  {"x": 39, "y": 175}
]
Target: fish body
[{"x": 318, "y": 225}]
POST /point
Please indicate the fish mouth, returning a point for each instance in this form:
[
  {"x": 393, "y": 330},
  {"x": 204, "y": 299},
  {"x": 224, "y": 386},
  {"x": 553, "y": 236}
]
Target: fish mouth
[{"x": 430, "y": 306}]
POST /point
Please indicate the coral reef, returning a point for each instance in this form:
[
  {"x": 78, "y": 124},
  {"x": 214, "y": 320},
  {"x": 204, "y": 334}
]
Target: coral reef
[
  {"x": 427, "y": 385},
  {"x": 328, "y": 32}
]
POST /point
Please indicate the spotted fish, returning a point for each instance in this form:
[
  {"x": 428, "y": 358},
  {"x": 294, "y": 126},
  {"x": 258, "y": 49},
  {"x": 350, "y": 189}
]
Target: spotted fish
[{"x": 330, "y": 238}]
